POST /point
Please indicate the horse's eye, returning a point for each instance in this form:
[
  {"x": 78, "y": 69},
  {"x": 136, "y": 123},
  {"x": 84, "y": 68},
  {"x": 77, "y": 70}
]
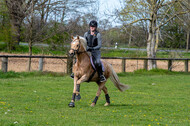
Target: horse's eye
[{"x": 77, "y": 45}]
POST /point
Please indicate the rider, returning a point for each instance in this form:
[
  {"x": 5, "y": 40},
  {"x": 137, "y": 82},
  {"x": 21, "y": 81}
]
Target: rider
[{"x": 94, "y": 43}]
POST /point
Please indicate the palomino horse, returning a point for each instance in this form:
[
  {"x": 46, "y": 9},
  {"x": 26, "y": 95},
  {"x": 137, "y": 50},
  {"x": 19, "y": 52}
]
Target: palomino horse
[{"x": 83, "y": 70}]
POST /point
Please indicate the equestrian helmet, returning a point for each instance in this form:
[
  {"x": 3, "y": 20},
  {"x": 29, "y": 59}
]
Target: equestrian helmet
[{"x": 93, "y": 23}]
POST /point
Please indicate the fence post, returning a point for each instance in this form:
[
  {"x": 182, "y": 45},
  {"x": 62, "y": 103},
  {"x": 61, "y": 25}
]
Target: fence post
[
  {"x": 123, "y": 65},
  {"x": 145, "y": 64},
  {"x": 170, "y": 65},
  {"x": 69, "y": 64},
  {"x": 186, "y": 65},
  {"x": 4, "y": 65},
  {"x": 41, "y": 63}
]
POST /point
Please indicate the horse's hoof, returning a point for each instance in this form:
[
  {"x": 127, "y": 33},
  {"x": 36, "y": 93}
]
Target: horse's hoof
[
  {"x": 77, "y": 97},
  {"x": 106, "y": 104},
  {"x": 92, "y": 105},
  {"x": 71, "y": 104}
]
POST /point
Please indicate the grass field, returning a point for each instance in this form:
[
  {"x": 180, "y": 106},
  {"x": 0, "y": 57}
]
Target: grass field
[
  {"x": 38, "y": 99},
  {"x": 105, "y": 52}
]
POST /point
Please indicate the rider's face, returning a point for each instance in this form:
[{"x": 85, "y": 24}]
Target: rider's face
[{"x": 92, "y": 29}]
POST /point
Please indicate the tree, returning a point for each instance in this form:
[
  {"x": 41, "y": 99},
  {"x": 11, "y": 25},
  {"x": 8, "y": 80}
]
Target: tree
[
  {"x": 18, "y": 9},
  {"x": 43, "y": 22},
  {"x": 185, "y": 5},
  {"x": 150, "y": 11},
  {"x": 5, "y": 33}
]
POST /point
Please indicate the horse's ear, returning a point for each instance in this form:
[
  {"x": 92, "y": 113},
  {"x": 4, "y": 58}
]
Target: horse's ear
[
  {"x": 72, "y": 37},
  {"x": 78, "y": 37}
]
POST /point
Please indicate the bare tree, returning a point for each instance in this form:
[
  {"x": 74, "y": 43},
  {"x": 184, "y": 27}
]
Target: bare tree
[
  {"x": 156, "y": 19},
  {"x": 31, "y": 34},
  {"x": 46, "y": 22},
  {"x": 185, "y": 5}
]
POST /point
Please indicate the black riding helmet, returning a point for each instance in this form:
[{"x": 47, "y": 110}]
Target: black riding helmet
[{"x": 93, "y": 23}]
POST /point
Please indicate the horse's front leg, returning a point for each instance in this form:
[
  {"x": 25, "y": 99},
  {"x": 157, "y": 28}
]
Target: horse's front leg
[
  {"x": 72, "y": 103},
  {"x": 82, "y": 79}
]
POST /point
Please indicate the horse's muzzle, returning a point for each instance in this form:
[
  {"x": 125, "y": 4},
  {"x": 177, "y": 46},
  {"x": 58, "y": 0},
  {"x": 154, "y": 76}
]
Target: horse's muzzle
[{"x": 71, "y": 53}]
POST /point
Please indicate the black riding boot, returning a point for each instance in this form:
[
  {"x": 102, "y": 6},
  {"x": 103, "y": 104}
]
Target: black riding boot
[{"x": 100, "y": 74}]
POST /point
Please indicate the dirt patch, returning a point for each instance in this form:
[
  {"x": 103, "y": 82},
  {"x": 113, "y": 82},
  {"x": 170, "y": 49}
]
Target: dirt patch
[{"x": 59, "y": 65}]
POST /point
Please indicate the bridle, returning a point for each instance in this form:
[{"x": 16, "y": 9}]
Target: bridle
[{"x": 76, "y": 51}]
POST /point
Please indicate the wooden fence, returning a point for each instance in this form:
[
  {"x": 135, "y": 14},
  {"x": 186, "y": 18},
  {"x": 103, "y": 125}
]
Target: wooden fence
[{"x": 4, "y": 65}]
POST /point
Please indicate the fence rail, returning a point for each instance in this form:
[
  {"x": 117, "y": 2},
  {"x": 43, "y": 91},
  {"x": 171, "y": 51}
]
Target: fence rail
[{"x": 4, "y": 65}]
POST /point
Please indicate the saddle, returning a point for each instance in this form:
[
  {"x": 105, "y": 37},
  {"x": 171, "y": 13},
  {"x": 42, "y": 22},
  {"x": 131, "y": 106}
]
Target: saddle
[{"x": 93, "y": 66}]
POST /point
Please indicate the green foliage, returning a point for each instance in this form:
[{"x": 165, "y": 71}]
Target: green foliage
[
  {"x": 176, "y": 37},
  {"x": 5, "y": 27},
  {"x": 158, "y": 99},
  {"x": 35, "y": 50},
  {"x": 57, "y": 40},
  {"x": 3, "y": 46}
]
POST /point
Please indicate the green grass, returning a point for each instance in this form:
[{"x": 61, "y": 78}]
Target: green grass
[
  {"x": 128, "y": 53},
  {"x": 157, "y": 97},
  {"x": 22, "y": 49},
  {"x": 12, "y": 74},
  {"x": 104, "y": 52}
]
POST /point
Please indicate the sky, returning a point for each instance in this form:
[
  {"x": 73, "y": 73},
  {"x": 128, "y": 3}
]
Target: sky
[
  {"x": 106, "y": 10},
  {"x": 107, "y": 7}
]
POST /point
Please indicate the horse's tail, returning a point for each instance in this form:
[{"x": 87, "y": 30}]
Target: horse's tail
[{"x": 115, "y": 79}]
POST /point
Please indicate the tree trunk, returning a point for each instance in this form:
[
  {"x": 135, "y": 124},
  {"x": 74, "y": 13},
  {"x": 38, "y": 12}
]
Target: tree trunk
[
  {"x": 157, "y": 40},
  {"x": 151, "y": 43},
  {"x": 130, "y": 36},
  {"x": 31, "y": 37},
  {"x": 30, "y": 54},
  {"x": 16, "y": 17},
  {"x": 188, "y": 40},
  {"x": 15, "y": 28},
  {"x": 151, "y": 51}
]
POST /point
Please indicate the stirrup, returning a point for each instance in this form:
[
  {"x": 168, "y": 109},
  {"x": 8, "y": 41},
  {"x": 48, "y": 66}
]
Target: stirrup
[
  {"x": 72, "y": 75},
  {"x": 102, "y": 78}
]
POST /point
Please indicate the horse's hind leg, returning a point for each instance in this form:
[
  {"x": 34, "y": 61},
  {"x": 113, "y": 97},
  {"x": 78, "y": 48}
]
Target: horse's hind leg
[
  {"x": 101, "y": 85},
  {"x": 106, "y": 96}
]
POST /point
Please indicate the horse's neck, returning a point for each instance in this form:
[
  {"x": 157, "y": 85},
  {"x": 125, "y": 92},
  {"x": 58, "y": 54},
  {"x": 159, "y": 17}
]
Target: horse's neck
[{"x": 82, "y": 58}]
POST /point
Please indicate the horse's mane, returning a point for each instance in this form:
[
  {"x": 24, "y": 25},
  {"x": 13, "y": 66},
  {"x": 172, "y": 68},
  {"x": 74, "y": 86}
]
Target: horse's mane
[{"x": 83, "y": 41}]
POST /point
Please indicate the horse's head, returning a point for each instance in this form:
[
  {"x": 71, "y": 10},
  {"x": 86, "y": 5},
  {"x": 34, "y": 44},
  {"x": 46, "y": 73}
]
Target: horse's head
[{"x": 75, "y": 46}]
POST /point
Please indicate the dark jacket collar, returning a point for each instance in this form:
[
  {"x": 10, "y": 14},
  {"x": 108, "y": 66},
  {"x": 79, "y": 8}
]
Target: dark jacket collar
[{"x": 96, "y": 32}]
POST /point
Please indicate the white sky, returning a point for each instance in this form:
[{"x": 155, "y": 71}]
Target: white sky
[{"x": 107, "y": 7}]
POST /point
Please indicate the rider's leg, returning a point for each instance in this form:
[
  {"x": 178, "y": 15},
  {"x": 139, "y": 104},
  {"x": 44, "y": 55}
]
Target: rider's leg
[{"x": 96, "y": 55}]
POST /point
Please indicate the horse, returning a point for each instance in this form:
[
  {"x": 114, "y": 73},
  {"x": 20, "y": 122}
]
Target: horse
[{"x": 83, "y": 72}]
